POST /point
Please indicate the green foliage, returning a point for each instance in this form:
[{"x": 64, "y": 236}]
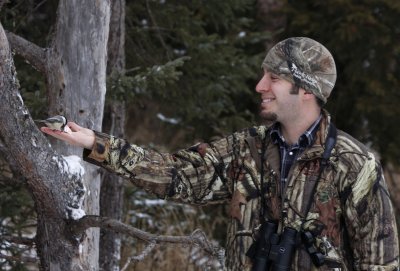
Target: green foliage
[
  {"x": 222, "y": 49},
  {"x": 363, "y": 37},
  {"x": 123, "y": 86}
]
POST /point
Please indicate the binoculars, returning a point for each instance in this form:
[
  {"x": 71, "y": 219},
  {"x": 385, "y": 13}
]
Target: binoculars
[{"x": 275, "y": 252}]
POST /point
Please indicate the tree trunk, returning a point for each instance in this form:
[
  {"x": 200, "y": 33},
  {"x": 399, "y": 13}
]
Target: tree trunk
[
  {"x": 54, "y": 188},
  {"x": 112, "y": 186},
  {"x": 62, "y": 188},
  {"x": 77, "y": 86}
]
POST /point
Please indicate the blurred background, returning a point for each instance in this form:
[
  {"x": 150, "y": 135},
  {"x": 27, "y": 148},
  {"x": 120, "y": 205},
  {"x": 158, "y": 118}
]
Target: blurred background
[{"x": 190, "y": 72}]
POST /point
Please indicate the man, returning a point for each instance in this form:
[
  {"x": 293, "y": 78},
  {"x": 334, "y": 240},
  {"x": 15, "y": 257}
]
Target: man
[{"x": 308, "y": 196}]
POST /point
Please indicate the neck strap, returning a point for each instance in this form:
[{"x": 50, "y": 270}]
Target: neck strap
[{"x": 329, "y": 145}]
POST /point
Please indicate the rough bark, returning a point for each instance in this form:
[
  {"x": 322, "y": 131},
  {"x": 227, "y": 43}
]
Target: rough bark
[
  {"x": 48, "y": 178},
  {"x": 116, "y": 41},
  {"x": 77, "y": 85},
  {"x": 75, "y": 71},
  {"x": 112, "y": 196},
  {"x": 112, "y": 186},
  {"x": 80, "y": 57},
  {"x": 32, "y": 53}
]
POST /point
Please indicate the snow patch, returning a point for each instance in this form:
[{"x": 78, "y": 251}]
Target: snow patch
[
  {"x": 71, "y": 165},
  {"x": 33, "y": 140},
  {"x": 242, "y": 34},
  {"x": 150, "y": 202},
  {"x": 20, "y": 99},
  {"x": 168, "y": 120},
  {"x": 180, "y": 52},
  {"x": 75, "y": 214}
]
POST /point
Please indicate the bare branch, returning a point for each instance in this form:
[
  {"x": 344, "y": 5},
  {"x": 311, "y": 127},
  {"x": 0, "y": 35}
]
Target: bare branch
[
  {"x": 196, "y": 238},
  {"x": 32, "y": 53},
  {"x": 23, "y": 259},
  {"x": 19, "y": 240}
]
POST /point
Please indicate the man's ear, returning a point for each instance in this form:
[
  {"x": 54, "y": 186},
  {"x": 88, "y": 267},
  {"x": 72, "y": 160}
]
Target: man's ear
[{"x": 306, "y": 94}]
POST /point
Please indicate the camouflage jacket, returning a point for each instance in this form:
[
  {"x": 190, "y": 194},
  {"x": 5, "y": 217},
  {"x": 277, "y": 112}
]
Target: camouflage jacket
[{"x": 351, "y": 214}]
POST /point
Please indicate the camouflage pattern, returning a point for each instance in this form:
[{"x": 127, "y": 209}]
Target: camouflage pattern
[
  {"x": 351, "y": 213},
  {"x": 304, "y": 62}
]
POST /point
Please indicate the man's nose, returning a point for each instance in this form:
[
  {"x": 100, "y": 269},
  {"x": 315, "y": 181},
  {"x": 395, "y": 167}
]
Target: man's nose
[{"x": 263, "y": 85}]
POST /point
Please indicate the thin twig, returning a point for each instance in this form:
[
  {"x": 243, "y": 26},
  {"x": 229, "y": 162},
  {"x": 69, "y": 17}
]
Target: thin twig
[{"x": 141, "y": 256}]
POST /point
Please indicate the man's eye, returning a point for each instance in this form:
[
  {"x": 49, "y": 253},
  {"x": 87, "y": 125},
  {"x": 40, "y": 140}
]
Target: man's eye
[{"x": 274, "y": 78}]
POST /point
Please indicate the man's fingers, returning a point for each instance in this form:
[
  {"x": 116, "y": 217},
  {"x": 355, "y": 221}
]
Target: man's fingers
[
  {"x": 67, "y": 129},
  {"x": 74, "y": 127},
  {"x": 74, "y": 135}
]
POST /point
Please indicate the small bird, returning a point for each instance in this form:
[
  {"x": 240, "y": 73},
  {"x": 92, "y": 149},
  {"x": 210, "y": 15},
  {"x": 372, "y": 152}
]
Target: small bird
[{"x": 56, "y": 123}]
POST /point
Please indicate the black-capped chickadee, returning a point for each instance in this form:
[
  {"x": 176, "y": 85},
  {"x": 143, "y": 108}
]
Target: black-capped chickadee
[{"x": 56, "y": 123}]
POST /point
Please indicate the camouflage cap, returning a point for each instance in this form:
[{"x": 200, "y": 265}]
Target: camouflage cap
[{"x": 304, "y": 62}]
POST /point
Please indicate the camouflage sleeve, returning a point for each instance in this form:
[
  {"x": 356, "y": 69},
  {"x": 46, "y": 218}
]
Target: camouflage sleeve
[
  {"x": 370, "y": 220},
  {"x": 196, "y": 175}
]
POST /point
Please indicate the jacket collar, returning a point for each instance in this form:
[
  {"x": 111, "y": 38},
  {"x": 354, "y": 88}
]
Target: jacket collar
[
  {"x": 305, "y": 140},
  {"x": 312, "y": 152},
  {"x": 317, "y": 148}
]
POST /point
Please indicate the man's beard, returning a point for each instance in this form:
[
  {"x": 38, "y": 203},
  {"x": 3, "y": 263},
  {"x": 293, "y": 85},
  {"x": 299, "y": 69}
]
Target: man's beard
[{"x": 268, "y": 116}]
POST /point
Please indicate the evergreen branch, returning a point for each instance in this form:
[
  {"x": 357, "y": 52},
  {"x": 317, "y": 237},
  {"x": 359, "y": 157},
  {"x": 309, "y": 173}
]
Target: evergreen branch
[{"x": 35, "y": 55}]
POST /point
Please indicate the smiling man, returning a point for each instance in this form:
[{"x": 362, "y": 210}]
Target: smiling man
[{"x": 303, "y": 195}]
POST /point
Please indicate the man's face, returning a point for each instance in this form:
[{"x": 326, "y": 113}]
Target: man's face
[{"x": 279, "y": 99}]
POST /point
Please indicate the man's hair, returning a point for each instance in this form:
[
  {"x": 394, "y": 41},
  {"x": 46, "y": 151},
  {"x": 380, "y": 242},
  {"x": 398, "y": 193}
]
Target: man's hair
[
  {"x": 320, "y": 102},
  {"x": 295, "y": 90}
]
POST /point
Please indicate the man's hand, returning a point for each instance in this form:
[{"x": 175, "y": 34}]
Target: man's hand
[{"x": 73, "y": 135}]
